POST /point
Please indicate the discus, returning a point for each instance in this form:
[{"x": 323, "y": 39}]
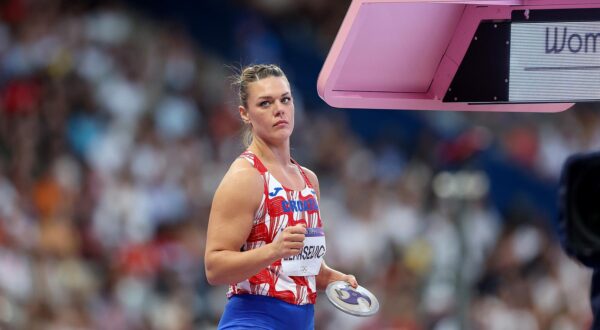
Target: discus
[{"x": 358, "y": 302}]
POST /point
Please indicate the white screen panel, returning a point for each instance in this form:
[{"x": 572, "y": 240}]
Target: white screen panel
[{"x": 557, "y": 61}]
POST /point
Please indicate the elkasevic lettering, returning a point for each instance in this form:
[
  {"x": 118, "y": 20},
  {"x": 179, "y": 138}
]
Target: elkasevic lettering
[
  {"x": 574, "y": 42},
  {"x": 309, "y": 252},
  {"x": 298, "y": 206}
]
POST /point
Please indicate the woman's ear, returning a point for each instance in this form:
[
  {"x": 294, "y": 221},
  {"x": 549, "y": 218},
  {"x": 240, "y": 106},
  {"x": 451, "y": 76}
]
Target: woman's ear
[{"x": 244, "y": 114}]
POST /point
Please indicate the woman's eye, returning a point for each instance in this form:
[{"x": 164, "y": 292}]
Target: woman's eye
[
  {"x": 264, "y": 104},
  {"x": 286, "y": 100}
]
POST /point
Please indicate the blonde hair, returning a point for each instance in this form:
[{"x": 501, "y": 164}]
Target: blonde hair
[{"x": 247, "y": 75}]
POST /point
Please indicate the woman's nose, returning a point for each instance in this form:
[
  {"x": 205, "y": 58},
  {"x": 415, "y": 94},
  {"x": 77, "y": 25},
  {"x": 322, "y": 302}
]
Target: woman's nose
[{"x": 278, "y": 111}]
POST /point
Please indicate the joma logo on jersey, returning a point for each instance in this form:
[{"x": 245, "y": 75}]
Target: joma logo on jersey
[
  {"x": 298, "y": 206},
  {"x": 274, "y": 193}
]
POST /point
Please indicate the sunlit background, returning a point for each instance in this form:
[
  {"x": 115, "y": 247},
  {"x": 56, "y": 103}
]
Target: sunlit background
[{"x": 117, "y": 122}]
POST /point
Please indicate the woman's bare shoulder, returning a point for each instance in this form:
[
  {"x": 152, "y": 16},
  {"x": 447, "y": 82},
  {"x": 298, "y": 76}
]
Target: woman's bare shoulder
[
  {"x": 241, "y": 177},
  {"x": 312, "y": 177}
]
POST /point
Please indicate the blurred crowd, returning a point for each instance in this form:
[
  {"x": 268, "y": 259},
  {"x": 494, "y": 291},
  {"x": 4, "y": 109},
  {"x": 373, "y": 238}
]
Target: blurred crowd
[{"x": 115, "y": 130}]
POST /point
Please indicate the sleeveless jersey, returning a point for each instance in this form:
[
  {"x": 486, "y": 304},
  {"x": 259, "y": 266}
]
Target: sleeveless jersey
[{"x": 280, "y": 207}]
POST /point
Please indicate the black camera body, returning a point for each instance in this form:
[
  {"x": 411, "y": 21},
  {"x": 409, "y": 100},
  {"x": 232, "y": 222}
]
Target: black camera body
[
  {"x": 579, "y": 208},
  {"x": 579, "y": 218}
]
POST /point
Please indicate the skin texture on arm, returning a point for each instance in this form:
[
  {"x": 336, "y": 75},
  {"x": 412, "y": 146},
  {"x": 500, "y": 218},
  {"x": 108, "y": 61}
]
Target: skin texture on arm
[
  {"x": 327, "y": 274},
  {"x": 230, "y": 222}
]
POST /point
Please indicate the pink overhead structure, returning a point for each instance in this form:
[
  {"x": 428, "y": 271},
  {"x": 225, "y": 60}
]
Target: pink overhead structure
[{"x": 393, "y": 54}]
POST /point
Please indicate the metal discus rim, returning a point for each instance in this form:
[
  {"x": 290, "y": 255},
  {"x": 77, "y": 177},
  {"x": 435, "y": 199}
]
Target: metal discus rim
[{"x": 357, "y": 302}]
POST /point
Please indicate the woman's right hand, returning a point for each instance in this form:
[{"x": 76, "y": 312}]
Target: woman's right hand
[{"x": 289, "y": 242}]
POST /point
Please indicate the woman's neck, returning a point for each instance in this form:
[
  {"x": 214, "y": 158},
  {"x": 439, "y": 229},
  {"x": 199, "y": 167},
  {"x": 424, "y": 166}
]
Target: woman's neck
[{"x": 279, "y": 154}]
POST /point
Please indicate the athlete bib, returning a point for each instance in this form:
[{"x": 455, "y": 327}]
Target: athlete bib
[{"x": 308, "y": 261}]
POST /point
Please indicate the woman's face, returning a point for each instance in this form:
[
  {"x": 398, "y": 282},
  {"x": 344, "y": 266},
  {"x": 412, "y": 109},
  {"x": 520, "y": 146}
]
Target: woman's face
[{"x": 270, "y": 109}]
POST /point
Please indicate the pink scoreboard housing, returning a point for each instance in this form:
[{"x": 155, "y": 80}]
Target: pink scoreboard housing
[{"x": 393, "y": 54}]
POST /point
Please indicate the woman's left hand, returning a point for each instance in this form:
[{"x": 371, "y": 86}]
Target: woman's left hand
[
  {"x": 328, "y": 275},
  {"x": 350, "y": 279}
]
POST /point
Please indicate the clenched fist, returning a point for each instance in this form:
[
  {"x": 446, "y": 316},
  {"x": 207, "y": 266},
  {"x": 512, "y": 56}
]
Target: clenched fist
[{"x": 289, "y": 242}]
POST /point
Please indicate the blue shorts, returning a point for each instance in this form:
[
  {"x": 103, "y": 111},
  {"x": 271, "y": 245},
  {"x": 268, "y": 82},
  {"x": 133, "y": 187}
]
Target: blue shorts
[{"x": 250, "y": 311}]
